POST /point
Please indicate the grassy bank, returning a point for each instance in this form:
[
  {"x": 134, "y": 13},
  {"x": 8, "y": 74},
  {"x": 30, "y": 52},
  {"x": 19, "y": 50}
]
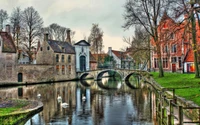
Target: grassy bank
[
  {"x": 185, "y": 85},
  {"x": 9, "y": 109}
]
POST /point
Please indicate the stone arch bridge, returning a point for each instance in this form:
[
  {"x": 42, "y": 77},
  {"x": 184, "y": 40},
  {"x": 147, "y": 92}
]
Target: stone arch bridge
[{"x": 98, "y": 74}]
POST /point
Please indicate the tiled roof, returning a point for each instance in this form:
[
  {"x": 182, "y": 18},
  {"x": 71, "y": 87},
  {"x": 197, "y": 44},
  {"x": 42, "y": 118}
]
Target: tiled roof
[
  {"x": 189, "y": 56},
  {"x": 100, "y": 57},
  {"x": 92, "y": 59},
  {"x": 119, "y": 54},
  {"x": 58, "y": 46},
  {"x": 8, "y": 43}
]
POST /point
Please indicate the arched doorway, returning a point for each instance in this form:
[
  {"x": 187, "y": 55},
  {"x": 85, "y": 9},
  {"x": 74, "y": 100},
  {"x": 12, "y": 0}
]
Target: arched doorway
[
  {"x": 82, "y": 63},
  {"x": 20, "y": 77}
]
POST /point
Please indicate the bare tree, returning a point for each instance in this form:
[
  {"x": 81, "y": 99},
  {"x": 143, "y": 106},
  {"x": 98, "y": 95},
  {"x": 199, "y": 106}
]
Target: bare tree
[
  {"x": 190, "y": 9},
  {"x": 96, "y": 39},
  {"x": 58, "y": 32},
  {"x": 147, "y": 13},
  {"x": 15, "y": 20},
  {"x": 31, "y": 29},
  {"x": 139, "y": 46},
  {"x": 3, "y": 17}
]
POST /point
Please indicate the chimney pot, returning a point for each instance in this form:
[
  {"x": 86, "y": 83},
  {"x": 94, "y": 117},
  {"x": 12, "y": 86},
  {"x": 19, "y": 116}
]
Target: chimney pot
[
  {"x": 68, "y": 36},
  {"x": 46, "y": 36},
  {"x": 8, "y": 28}
]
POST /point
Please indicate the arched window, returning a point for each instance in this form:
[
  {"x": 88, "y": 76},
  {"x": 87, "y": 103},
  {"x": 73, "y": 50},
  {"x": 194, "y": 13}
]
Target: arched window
[
  {"x": 69, "y": 58},
  {"x": 48, "y": 48}
]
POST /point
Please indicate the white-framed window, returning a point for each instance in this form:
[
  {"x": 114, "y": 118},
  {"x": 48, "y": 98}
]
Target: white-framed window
[
  {"x": 165, "y": 63},
  {"x": 174, "y": 48},
  {"x": 155, "y": 62},
  {"x": 173, "y": 59},
  {"x": 165, "y": 49}
]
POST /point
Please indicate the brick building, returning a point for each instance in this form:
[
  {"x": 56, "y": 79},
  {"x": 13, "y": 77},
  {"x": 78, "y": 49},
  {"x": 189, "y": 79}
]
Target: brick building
[{"x": 176, "y": 46}]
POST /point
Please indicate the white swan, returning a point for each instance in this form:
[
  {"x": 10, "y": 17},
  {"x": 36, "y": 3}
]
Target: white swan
[
  {"x": 59, "y": 98},
  {"x": 38, "y": 95},
  {"x": 63, "y": 104},
  {"x": 83, "y": 98}
]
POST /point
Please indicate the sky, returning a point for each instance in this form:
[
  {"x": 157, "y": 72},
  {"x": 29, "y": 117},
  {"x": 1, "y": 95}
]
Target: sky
[{"x": 79, "y": 15}]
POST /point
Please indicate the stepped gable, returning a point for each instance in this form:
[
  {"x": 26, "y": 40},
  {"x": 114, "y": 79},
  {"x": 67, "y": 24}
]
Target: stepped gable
[
  {"x": 8, "y": 43},
  {"x": 58, "y": 46}
]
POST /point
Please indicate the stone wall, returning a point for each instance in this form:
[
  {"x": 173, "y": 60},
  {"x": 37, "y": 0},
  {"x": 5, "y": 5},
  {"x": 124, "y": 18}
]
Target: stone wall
[
  {"x": 8, "y": 67},
  {"x": 42, "y": 73}
]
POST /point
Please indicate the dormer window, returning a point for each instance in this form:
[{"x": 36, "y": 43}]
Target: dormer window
[{"x": 63, "y": 49}]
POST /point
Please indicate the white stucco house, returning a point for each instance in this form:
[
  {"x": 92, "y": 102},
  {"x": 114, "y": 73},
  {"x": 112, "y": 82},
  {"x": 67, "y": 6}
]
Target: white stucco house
[
  {"x": 82, "y": 49},
  {"x": 122, "y": 59}
]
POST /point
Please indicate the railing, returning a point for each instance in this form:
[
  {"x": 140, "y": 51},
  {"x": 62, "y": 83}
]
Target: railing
[{"x": 168, "y": 112}]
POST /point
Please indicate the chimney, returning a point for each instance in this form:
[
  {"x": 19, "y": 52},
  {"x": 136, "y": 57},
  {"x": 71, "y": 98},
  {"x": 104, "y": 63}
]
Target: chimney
[
  {"x": 46, "y": 36},
  {"x": 110, "y": 51},
  {"x": 68, "y": 36},
  {"x": 8, "y": 28}
]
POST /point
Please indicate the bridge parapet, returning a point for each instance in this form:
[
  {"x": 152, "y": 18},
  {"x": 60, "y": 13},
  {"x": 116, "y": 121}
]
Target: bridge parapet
[{"x": 97, "y": 74}]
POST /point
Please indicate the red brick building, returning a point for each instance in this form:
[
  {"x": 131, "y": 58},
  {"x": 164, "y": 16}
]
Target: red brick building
[{"x": 176, "y": 46}]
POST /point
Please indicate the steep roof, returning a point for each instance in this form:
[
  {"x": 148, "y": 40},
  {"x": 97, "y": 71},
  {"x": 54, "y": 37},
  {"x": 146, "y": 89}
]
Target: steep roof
[
  {"x": 119, "y": 54},
  {"x": 58, "y": 47},
  {"x": 82, "y": 43},
  {"x": 189, "y": 56},
  {"x": 8, "y": 43}
]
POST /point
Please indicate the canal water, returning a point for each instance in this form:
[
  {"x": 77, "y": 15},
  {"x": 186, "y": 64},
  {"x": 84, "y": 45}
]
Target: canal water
[{"x": 106, "y": 102}]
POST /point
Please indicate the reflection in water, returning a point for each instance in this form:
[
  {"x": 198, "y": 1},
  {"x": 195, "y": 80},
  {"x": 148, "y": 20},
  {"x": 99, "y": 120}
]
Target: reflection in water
[{"x": 109, "y": 102}]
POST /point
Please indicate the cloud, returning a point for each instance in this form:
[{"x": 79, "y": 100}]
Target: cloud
[{"x": 79, "y": 15}]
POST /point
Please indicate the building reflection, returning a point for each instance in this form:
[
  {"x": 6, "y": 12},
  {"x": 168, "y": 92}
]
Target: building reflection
[{"x": 92, "y": 110}]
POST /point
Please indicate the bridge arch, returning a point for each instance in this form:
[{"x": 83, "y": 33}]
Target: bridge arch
[
  {"x": 126, "y": 78},
  {"x": 84, "y": 75},
  {"x": 100, "y": 74}
]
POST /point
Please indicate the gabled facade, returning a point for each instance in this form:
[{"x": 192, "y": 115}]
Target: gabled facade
[
  {"x": 176, "y": 46},
  {"x": 8, "y": 58},
  {"x": 60, "y": 55},
  {"x": 82, "y": 49},
  {"x": 121, "y": 59}
]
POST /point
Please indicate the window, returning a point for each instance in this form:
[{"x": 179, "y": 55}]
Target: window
[
  {"x": 69, "y": 69},
  {"x": 165, "y": 63},
  {"x": 63, "y": 58},
  {"x": 174, "y": 48},
  {"x": 57, "y": 69},
  {"x": 57, "y": 58},
  {"x": 179, "y": 62},
  {"x": 63, "y": 69},
  {"x": 155, "y": 62},
  {"x": 165, "y": 49},
  {"x": 171, "y": 36},
  {"x": 0, "y": 43},
  {"x": 173, "y": 59},
  {"x": 40, "y": 48},
  {"x": 48, "y": 48},
  {"x": 69, "y": 58}
]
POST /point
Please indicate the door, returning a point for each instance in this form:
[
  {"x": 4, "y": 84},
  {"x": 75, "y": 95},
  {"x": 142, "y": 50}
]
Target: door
[
  {"x": 173, "y": 67},
  {"x": 20, "y": 77},
  {"x": 82, "y": 63}
]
